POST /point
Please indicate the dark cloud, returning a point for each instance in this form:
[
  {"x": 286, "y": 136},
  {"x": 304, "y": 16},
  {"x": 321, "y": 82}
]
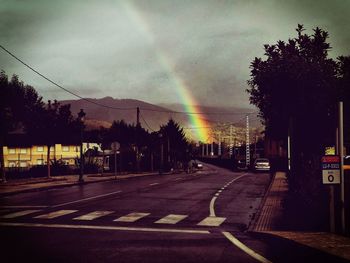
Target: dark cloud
[{"x": 142, "y": 49}]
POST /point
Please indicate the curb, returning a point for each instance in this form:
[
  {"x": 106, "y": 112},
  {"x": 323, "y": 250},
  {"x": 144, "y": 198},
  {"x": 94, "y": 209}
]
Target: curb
[{"x": 73, "y": 184}]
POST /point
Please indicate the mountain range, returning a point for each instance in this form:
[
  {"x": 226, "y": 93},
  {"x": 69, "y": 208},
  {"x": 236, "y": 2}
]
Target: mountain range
[{"x": 102, "y": 112}]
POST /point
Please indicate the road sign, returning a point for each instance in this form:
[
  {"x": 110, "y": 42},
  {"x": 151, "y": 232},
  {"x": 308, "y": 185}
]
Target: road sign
[
  {"x": 331, "y": 169},
  {"x": 115, "y": 146}
]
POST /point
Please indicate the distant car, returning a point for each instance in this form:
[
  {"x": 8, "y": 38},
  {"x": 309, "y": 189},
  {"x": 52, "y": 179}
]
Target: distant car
[
  {"x": 241, "y": 164},
  {"x": 197, "y": 165},
  {"x": 262, "y": 164}
]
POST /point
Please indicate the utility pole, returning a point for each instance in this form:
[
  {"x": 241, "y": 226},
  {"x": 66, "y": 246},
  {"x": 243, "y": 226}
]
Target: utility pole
[
  {"x": 256, "y": 138},
  {"x": 137, "y": 116},
  {"x": 168, "y": 148},
  {"x": 161, "y": 155},
  {"x": 138, "y": 125},
  {"x": 247, "y": 143},
  {"x": 341, "y": 155},
  {"x": 81, "y": 117},
  {"x": 219, "y": 146},
  {"x": 231, "y": 145}
]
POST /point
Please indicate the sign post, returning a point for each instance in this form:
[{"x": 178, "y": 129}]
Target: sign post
[
  {"x": 115, "y": 147},
  {"x": 331, "y": 169},
  {"x": 331, "y": 176}
]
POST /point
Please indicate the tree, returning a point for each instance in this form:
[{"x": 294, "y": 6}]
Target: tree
[
  {"x": 18, "y": 104},
  {"x": 176, "y": 144},
  {"x": 296, "y": 86},
  {"x": 344, "y": 94},
  {"x": 51, "y": 124},
  {"x": 295, "y": 89}
]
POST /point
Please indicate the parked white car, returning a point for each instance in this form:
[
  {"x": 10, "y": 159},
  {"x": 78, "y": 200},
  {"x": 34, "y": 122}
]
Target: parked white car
[{"x": 262, "y": 164}]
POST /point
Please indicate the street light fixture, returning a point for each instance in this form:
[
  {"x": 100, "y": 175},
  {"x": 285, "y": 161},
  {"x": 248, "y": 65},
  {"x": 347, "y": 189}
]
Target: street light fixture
[{"x": 81, "y": 118}]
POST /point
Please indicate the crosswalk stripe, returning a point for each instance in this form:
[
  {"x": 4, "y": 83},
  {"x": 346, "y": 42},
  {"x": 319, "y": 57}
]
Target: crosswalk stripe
[
  {"x": 56, "y": 214},
  {"x": 20, "y": 213},
  {"x": 171, "y": 219},
  {"x": 212, "y": 221},
  {"x": 132, "y": 217},
  {"x": 93, "y": 215}
]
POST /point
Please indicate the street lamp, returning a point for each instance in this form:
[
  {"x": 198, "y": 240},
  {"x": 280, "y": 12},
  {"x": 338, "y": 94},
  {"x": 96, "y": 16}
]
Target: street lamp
[
  {"x": 81, "y": 118},
  {"x": 161, "y": 153}
]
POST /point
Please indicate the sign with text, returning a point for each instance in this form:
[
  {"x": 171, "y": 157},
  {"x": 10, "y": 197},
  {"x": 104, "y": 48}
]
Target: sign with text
[{"x": 331, "y": 169}]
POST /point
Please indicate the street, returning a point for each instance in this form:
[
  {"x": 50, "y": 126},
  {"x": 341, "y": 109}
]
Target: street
[{"x": 199, "y": 217}]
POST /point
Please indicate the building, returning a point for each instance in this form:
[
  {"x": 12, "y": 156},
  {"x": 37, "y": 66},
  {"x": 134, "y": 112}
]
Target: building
[
  {"x": 22, "y": 152},
  {"x": 26, "y": 156}
]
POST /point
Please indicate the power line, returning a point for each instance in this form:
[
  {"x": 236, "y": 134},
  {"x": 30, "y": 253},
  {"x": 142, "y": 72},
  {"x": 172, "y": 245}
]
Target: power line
[
  {"x": 146, "y": 123},
  {"x": 59, "y": 86},
  {"x": 201, "y": 113},
  {"x": 117, "y": 108}
]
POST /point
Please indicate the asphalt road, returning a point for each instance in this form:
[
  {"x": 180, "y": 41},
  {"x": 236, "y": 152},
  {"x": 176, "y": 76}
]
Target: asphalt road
[{"x": 200, "y": 217}]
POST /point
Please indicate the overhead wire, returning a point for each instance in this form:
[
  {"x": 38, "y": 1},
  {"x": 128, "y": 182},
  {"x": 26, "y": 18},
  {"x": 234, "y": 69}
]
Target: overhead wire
[
  {"x": 117, "y": 108},
  {"x": 146, "y": 123}
]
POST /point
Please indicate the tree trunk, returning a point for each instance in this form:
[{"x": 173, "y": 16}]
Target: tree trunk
[
  {"x": 48, "y": 162},
  {"x": 2, "y": 164}
]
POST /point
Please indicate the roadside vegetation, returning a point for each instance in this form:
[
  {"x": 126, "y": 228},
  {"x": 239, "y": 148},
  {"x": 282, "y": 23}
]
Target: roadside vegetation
[
  {"x": 23, "y": 111},
  {"x": 296, "y": 88}
]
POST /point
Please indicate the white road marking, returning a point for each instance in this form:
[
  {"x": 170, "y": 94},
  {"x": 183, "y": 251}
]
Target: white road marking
[
  {"x": 177, "y": 179},
  {"x": 171, "y": 219},
  {"x": 116, "y": 228},
  {"x": 212, "y": 201},
  {"x": 93, "y": 215},
  {"x": 23, "y": 206},
  {"x": 217, "y": 194},
  {"x": 132, "y": 217},
  {"x": 56, "y": 214},
  {"x": 212, "y": 221},
  {"x": 246, "y": 249},
  {"x": 86, "y": 199},
  {"x": 20, "y": 213},
  {"x": 211, "y": 206},
  {"x": 153, "y": 184}
]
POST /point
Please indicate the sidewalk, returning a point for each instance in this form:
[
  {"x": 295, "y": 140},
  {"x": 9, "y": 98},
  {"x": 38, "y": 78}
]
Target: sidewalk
[
  {"x": 37, "y": 184},
  {"x": 269, "y": 222}
]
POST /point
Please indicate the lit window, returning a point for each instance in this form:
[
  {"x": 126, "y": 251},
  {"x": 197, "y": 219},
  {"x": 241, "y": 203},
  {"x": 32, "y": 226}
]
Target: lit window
[
  {"x": 12, "y": 151},
  {"x": 52, "y": 148},
  {"x": 65, "y": 148},
  {"x": 40, "y": 162},
  {"x": 23, "y": 164},
  {"x": 12, "y": 164},
  {"x": 40, "y": 148},
  {"x": 23, "y": 150}
]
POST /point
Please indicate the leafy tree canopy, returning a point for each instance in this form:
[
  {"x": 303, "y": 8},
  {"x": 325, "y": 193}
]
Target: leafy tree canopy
[{"x": 296, "y": 81}]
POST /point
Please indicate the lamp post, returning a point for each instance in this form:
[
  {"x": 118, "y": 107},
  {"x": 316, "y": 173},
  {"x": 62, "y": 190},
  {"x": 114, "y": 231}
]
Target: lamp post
[
  {"x": 161, "y": 153},
  {"x": 81, "y": 118}
]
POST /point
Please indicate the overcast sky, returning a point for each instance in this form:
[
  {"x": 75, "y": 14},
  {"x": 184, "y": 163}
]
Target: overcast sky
[{"x": 144, "y": 49}]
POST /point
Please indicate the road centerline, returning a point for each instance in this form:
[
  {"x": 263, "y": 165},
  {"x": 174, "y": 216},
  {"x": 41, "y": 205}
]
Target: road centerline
[
  {"x": 87, "y": 199},
  {"x": 212, "y": 201}
]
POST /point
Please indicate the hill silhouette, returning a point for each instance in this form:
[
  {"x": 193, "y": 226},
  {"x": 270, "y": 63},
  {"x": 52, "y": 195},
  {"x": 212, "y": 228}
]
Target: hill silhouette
[{"x": 152, "y": 116}]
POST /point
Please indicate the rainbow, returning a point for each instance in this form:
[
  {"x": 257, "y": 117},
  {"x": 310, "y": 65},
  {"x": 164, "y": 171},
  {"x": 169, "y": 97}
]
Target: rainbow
[{"x": 199, "y": 126}]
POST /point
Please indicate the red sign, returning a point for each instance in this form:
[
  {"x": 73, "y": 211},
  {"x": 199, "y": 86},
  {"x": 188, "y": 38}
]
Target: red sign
[{"x": 331, "y": 159}]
